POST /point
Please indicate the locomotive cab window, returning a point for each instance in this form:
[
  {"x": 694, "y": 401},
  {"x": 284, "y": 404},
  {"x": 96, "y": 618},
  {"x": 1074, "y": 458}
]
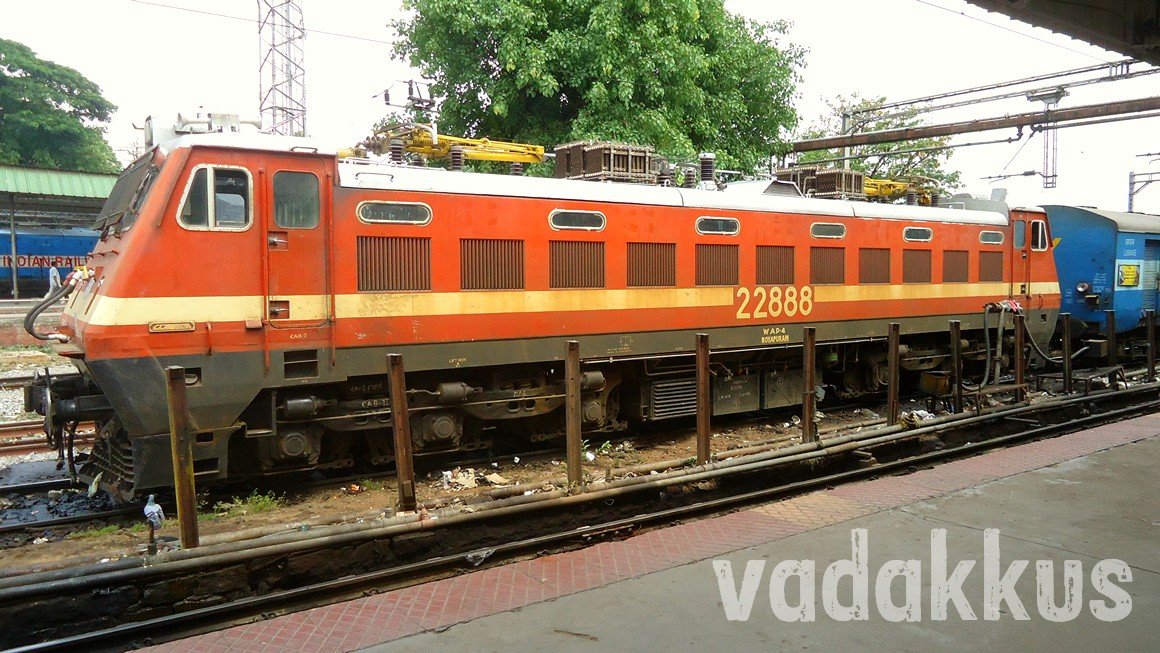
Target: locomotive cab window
[
  {"x": 991, "y": 237},
  {"x": 230, "y": 209},
  {"x": 827, "y": 230},
  {"x": 1038, "y": 236},
  {"x": 723, "y": 226},
  {"x": 295, "y": 200},
  {"x": 583, "y": 220},
  {"x": 1020, "y": 234},
  {"x": 394, "y": 212}
]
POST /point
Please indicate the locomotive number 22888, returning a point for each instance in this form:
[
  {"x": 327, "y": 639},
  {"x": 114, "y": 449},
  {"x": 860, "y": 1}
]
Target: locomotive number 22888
[{"x": 774, "y": 301}]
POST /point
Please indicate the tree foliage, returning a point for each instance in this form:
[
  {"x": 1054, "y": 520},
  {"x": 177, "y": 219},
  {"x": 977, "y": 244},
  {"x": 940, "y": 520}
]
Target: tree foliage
[
  {"x": 681, "y": 75},
  {"x": 902, "y": 161},
  {"x": 51, "y": 115}
]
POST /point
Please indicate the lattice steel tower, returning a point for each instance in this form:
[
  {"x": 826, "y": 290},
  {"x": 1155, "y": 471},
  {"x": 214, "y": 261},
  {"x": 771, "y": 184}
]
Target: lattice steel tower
[{"x": 282, "y": 76}]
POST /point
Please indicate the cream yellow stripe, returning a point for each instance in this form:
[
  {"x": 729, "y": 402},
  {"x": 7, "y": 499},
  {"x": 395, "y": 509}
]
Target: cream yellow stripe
[
  {"x": 540, "y": 301},
  {"x": 878, "y": 292},
  {"x": 112, "y": 311}
]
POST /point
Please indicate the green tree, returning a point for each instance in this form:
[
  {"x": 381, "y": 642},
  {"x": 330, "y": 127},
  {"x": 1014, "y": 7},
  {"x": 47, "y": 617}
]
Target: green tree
[
  {"x": 918, "y": 161},
  {"x": 681, "y": 75},
  {"x": 51, "y": 115}
]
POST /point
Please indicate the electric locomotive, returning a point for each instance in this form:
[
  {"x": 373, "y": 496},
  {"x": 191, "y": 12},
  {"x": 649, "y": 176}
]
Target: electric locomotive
[{"x": 280, "y": 276}]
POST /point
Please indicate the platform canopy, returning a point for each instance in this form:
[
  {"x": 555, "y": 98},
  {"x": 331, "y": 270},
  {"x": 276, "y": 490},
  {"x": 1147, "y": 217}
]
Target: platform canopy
[
  {"x": 1130, "y": 27},
  {"x": 52, "y": 198}
]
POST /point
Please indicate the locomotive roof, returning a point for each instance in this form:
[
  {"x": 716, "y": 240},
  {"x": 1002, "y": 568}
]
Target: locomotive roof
[
  {"x": 1135, "y": 222},
  {"x": 366, "y": 174}
]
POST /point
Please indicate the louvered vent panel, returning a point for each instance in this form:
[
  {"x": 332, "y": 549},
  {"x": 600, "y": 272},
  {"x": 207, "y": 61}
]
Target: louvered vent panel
[
  {"x": 955, "y": 266},
  {"x": 774, "y": 265},
  {"x": 827, "y": 265},
  {"x": 491, "y": 264},
  {"x": 673, "y": 398},
  {"x": 717, "y": 265},
  {"x": 576, "y": 264},
  {"x": 916, "y": 266},
  {"x": 873, "y": 265},
  {"x": 652, "y": 265},
  {"x": 990, "y": 266},
  {"x": 393, "y": 264}
]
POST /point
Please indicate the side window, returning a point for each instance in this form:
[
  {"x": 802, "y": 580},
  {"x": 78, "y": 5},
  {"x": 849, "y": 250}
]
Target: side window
[
  {"x": 394, "y": 212},
  {"x": 724, "y": 226},
  {"x": 827, "y": 230},
  {"x": 1020, "y": 234},
  {"x": 230, "y": 208},
  {"x": 295, "y": 200},
  {"x": 917, "y": 234},
  {"x": 195, "y": 211},
  {"x": 584, "y": 220},
  {"x": 231, "y": 198},
  {"x": 1038, "y": 236}
]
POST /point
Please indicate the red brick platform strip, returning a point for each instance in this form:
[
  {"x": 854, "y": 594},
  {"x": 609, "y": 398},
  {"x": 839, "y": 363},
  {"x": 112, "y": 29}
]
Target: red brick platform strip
[{"x": 372, "y": 620}]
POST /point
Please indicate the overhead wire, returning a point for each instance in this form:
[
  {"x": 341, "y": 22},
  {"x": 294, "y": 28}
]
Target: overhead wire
[
  {"x": 255, "y": 21},
  {"x": 1013, "y": 31}
]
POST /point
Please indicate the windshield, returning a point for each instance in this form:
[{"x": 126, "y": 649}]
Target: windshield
[{"x": 120, "y": 209}]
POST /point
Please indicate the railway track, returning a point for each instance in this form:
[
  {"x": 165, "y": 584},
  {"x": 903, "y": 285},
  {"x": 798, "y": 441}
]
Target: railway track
[
  {"x": 15, "y": 382},
  {"x": 74, "y": 520},
  {"x": 541, "y": 526},
  {"x": 26, "y": 436},
  {"x": 35, "y": 487}
]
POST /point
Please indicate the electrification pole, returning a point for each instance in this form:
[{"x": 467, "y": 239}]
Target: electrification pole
[{"x": 281, "y": 73}]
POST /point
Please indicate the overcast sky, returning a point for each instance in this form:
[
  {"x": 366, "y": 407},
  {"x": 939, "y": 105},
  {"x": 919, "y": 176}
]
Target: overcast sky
[{"x": 153, "y": 60}]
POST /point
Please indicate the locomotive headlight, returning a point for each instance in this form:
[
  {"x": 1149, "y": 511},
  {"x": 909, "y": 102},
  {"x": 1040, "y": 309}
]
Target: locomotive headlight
[{"x": 1083, "y": 287}]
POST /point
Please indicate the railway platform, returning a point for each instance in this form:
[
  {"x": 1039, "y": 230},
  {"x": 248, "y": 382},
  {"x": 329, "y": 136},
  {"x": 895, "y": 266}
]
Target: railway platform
[{"x": 1091, "y": 498}]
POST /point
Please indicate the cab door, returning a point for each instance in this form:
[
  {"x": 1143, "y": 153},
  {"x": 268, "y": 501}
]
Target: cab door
[
  {"x": 299, "y": 297},
  {"x": 1020, "y": 259}
]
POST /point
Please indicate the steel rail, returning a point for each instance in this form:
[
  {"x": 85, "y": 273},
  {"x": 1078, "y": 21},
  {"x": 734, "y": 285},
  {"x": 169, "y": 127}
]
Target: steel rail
[
  {"x": 37, "y": 486},
  {"x": 70, "y": 520},
  {"x": 13, "y": 382}
]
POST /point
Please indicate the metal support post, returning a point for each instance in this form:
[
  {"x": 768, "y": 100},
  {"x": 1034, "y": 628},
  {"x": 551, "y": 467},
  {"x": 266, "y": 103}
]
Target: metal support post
[
  {"x": 1110, "y": 326},
  {"x": 1065, "y": 320},
  {"x": 1020, "y": 357},
  {"x": 809, "y": 396},
  {"x": 1150, "y": 327},
  {"x": 181, "y": 446},
  {"x": 572, "y": 414},
  {"x": 956, "y": 366},
  {"x": 704, "y": 407},
  {"x": 892, "y": 366},
  {"x": 401, "y": 418},
  {"x": 15, "y": 267}
]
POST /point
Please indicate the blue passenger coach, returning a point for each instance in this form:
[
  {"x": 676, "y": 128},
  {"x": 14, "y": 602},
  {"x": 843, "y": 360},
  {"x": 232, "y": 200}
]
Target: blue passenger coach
[
  {"x": 1106, "y": 260},
  {"x": 37, "y": 251}
]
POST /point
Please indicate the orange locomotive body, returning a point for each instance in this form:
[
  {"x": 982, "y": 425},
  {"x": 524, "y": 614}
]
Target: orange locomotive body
[{"x": 280, "y": 278}]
